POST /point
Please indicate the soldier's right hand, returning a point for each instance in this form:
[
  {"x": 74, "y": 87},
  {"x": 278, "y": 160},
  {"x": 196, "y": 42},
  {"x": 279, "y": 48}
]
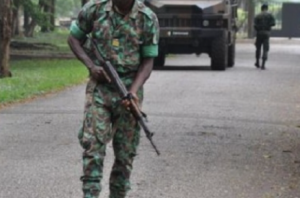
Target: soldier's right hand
[{"x": 98, "y": 74}]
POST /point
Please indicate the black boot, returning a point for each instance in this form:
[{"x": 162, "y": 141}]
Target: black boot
[
  {"x": 263, "y": 64},
  {"x": 257, "y": 63}
]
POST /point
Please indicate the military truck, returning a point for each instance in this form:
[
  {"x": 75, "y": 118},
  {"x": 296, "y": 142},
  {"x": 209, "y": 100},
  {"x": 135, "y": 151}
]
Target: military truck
[{"x": 195, "y": 27}]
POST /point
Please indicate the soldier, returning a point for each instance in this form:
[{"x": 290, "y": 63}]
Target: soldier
[
  {"x": 127, "y": 35},
  {"x": 262, "y": 24}
]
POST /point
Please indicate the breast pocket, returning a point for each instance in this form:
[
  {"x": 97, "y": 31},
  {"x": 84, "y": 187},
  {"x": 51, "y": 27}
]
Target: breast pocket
[
  {"x": 132, "y": 48},
  {"x": 102, "y": 33}
]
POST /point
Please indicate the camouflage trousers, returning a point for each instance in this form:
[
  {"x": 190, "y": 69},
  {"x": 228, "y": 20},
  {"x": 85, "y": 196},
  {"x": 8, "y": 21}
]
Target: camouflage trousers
[
  {"x": 105, "y": 119},
  {"x": 262, "y": 41}
]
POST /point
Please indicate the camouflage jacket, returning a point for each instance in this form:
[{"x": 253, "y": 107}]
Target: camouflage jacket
[
  {"x": 123, "y": 40},
  {"x": 264, "y": 22}
]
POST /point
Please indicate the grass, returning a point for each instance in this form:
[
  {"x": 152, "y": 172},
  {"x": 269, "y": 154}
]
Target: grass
[
  {"x": 39, "y": 77},
  {"x": 57, "y": 38}
]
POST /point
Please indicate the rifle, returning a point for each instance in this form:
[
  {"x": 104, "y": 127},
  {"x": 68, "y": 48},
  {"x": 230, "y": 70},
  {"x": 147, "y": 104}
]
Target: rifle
[{"x": 113, "y": 77}]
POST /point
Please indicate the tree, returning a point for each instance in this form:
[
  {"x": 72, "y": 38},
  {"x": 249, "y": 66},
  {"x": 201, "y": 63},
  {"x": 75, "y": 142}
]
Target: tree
[
  {"x": 52, "y": 15},
  {"x": 15, "y": 17},
  {"x": 41, "y": 13},
  {"x": 45, "y": 8},
  {"x": 5, "y": 36},
  {"x": 67, "y": 8},
  {"x": 251, "y": 13},
  {"x": 83, "y": 2}
]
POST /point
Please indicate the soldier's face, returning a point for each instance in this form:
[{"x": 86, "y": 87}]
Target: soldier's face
[{"x": 123, "y": 4}]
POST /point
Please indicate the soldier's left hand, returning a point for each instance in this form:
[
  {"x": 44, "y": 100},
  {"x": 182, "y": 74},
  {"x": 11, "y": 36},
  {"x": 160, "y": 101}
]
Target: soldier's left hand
[{"x": 126, "y": 102}]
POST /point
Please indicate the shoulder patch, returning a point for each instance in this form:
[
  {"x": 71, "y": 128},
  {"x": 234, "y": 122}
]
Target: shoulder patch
[
  {"x": 99, "y": 1},
  {"x": 95, "y": 7},
  {"x": 145, "y": 10},
  {"x": 93, "y": 3}
]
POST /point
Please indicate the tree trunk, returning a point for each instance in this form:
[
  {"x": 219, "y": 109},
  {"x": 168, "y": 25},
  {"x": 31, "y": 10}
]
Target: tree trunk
[
  {"x": 52, "y": 17},
  {"x": 251, "y": 13},
  {"x": 26, "y": 20},
  {"x": 29, "y": 20},
  {"x": 5, "y": 36},
  {"x": 45, "y": 8},
  {"x": 30, "y": 30},
  {"x": 15, "y": 18}
]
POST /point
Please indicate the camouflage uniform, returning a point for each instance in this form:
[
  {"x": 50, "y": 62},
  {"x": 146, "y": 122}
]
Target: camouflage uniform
[
  {"x": 123, "y": 40},
  {"x": 262, "y": 24}
]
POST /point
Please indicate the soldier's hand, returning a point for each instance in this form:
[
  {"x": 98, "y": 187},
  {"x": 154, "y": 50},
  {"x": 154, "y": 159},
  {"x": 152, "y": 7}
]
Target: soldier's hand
[
  {"x": 126, "y": 102},
  {"x": 98, "y": 74}
]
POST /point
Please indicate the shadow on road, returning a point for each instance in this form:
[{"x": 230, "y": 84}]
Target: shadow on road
[{"x": 186, "y": 68}]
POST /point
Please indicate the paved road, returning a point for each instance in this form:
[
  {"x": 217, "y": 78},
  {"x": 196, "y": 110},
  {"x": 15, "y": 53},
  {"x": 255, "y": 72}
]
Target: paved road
[{"x": 232, "y": 134}]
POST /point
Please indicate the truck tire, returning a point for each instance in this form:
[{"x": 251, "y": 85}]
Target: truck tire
[
  {"x": 159, "y": 61},
  {"x": 219, "y": 53},
  {"x": 231, "y": 55}
]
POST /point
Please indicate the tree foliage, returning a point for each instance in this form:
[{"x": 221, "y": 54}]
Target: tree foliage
[{"x": 67, "y": 8}]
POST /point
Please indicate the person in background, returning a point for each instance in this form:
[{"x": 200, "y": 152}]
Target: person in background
[{"x": 263, "y": 23}]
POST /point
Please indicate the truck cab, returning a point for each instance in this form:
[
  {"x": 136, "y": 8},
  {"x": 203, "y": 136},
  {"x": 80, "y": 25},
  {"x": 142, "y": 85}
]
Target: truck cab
[{"x": 195, "y": 27}]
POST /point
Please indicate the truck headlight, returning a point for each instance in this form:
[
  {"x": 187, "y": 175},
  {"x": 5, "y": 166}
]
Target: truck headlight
[{"x": 205, "y": 23}]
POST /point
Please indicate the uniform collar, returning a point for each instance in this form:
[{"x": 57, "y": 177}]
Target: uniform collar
[{"x": 133, "y": 13}]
